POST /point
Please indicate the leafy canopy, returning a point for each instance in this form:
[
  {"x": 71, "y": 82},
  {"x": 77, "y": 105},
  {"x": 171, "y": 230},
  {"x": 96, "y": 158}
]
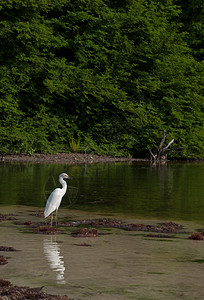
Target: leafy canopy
[{"x": 102, "y": 76}]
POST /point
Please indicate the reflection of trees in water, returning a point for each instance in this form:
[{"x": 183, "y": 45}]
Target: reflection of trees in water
[
  {"x": 55, "y": 260},
  {"x": 165, "y": 181}
]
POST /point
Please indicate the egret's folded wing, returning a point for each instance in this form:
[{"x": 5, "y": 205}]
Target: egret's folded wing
[{"x": 53, "y": 202}]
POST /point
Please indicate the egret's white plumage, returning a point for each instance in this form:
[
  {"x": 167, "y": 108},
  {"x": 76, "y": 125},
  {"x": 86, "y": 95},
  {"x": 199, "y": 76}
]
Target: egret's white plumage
[{"x": 55, "y": 198}]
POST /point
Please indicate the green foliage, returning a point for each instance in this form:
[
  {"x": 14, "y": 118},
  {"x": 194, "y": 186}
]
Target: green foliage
[
  {"x": 101, "y": 76},
  {"x": 192, "y": 18},
  {"x": 75, "y": 143}
]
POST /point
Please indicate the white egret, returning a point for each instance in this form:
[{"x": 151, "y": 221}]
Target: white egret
[{"x": 55, "y": 198}]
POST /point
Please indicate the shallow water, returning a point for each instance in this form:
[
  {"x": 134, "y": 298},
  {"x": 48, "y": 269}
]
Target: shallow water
[{"x": 119, "y": 264}]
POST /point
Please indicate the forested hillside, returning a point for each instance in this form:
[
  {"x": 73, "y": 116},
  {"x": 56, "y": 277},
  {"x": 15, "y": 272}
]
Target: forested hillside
[{"x": 102, "y": 76}]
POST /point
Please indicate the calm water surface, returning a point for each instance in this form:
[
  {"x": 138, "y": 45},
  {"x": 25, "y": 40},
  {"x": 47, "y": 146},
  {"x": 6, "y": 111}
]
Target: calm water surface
[
  {"x": 174, "y": 191},
  {"x": 120, "y": 265}
]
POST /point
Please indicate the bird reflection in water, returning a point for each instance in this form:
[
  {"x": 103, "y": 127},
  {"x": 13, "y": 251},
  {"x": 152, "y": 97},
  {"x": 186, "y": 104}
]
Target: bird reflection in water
[{"x": 52, "y": 253}]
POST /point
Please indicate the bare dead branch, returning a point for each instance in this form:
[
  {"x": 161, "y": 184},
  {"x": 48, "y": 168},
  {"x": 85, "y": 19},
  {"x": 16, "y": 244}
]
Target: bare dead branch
[
  {"x": 162, "y": 141},
  {"x": 169, "y": 144},
  {"x": 154, "y": 156},
  {"x": 175, "y": 149}
]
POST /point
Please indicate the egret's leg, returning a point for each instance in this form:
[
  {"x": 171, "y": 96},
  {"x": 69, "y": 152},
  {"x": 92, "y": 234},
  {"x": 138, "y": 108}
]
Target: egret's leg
[
  {"x": 51, "y": 219},
  {"x": 56, "y": 218}
]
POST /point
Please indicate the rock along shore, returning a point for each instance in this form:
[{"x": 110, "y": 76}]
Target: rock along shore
[{"x": 67, "y": 158}]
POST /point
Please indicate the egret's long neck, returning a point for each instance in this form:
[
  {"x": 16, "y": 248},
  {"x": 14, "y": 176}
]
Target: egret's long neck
[{"x": 64, "y": 185}]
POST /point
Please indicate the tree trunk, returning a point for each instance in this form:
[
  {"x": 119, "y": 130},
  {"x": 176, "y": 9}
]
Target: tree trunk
[{"x": 160, "y": 155}]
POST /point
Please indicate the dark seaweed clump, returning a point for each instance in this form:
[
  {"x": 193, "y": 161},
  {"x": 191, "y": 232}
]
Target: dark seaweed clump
[
  {"x": 45, "y": 228},
  {"x": 13, "y": 292},
  {"x": 5, "y": 248},
  {"x": 85, "y": 232},
  {"x": 161, "y": 236},
  {"x": 165, "y": 227},
  {"x": 196, "y": 236},
  {"x": 38, "y": 214},
  {"x": 7, "y": 217},
  {"x": 3, "y": 260}
]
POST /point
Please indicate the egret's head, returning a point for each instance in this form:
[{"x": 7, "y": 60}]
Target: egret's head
[{"x": 64, "y": 176}]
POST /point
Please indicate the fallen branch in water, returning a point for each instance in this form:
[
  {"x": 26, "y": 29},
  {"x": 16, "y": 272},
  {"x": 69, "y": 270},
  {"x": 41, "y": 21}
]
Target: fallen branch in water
[{"x": 160, "y": 153}]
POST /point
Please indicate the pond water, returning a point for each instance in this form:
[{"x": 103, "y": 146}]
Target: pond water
[
  {"x": 118, "y": 264},
  {"x": 172, "y": 191}
]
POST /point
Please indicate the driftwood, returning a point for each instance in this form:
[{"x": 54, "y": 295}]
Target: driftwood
[{"x": 160, "y": 153}]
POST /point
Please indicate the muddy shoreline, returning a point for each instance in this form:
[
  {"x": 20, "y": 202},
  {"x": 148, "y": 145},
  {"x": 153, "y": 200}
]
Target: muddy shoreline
[
  {"x": 67, "y": 158},
  {"x": 80, "y": 228}
]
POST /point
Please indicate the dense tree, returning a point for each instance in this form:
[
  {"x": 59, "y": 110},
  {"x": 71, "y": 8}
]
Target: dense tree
[
  {"x": 109, "y": 75},
  {"x": 192, "y": 18}
]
